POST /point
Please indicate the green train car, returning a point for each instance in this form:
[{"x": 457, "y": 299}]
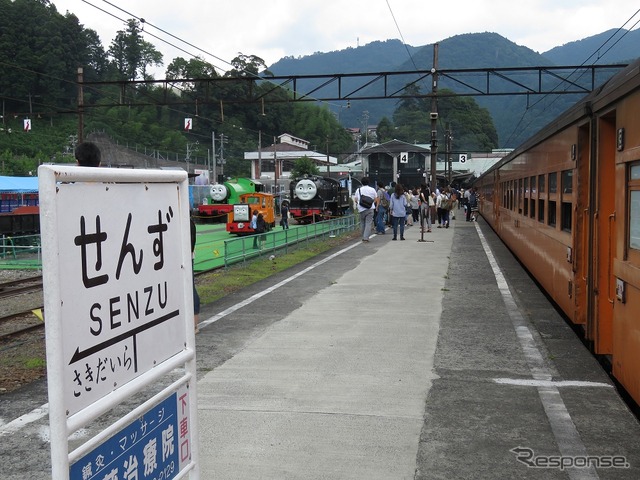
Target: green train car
[{"x": 223, "y": 196}]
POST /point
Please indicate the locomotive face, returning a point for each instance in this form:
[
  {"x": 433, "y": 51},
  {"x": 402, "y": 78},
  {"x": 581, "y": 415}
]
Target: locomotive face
[
  {"x": 306, "y": 189},
  {"x": 218, "y": 192}
]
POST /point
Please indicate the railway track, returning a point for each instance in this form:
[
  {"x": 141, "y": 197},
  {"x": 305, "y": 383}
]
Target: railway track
[
  {"x": 21, "y": 310},
  {"x": 23, "y": 285},
  {"x": 22, "y": 344}
]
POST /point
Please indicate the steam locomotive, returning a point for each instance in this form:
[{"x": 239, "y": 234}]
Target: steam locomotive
[
  {"x": 223, "y": 196},
  {"x": 315, "y": 198}
]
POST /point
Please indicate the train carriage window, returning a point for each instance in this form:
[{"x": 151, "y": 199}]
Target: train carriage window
[
  {"x": 567, "y": 181},
  {"x": 519, "y": 197},
  {"x": 551, "y": 217},
  {"x": 634, "y": 206},
  {"x": 525, "y": 203},
  {"x": 634, "y": 220},
  {"x": 541, "y": 210},
  {"x": 553, "y": 182},
  {"x": 565, "y": 216},
  {"x": 541, "y": 183},
  {"x": 532, "y": 201},
  {"x": 511, "y": 195}
]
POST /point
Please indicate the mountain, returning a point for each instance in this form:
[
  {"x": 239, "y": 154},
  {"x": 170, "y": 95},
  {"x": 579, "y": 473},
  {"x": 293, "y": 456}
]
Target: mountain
[
  {"x": 592, "y": 51},
  {"x": 473, "y": 50}
]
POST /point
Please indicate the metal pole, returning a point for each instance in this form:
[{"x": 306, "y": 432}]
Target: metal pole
[
  {"x": 213, "y": 150},
  {"x": 434, "y": 119},
  {"x": 259, "y": 172},
  {"x": 275, "y": 166},
  {"x": 80, "y": 106},
  {"x": 222, "y": 155},
  {"x": 328, "y": 169}
]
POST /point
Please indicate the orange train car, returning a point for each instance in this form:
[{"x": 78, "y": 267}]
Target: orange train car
[
  {"x": 239, "y": 219},
  {"x": 567, "y": 203}
]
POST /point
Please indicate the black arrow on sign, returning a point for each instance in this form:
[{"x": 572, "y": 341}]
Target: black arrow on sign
[{"x": 79, "y": 355}]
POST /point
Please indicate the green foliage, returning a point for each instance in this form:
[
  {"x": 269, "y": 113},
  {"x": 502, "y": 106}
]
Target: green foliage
[
  {"x": 304, "y": 166},
  {"x": 41, "y": 50},
  {"x": 472, "y": 126}
]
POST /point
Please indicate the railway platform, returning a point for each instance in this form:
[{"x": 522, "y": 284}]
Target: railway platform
[
  {"x": 410, "y": 360},
  {"x": 435, "y": 359}
]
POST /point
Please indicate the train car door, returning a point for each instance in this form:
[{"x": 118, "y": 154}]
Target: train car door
[
  {"x": 581, "y": 227},
  {"x": 604, "y": 238}
]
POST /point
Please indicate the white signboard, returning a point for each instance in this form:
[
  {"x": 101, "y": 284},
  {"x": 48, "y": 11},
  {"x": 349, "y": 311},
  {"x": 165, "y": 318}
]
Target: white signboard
[
  {"x": 118, "y": 289},
  {"x": 462, "y": 157},
  {"x": 121, "y": 283},
  {"x": 121, "y": 290}
]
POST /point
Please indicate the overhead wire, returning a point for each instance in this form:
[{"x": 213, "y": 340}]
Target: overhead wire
[{"x": 529, "y": 108}]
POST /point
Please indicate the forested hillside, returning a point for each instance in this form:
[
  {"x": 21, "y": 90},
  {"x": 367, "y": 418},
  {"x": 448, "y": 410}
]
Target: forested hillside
[
  {"x": 41, "y": 50},
  {"x": 512, "y": 116}
]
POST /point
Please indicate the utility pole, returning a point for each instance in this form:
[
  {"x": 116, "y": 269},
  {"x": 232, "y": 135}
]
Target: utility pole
[
  {"x": 328, "y": 167},
  {"x": 275, "y": 166},
  {"x": 80, "y": 106},
  {"x": 259, "y": 172},
  {"x": 434, "y": 119},
  {"x": 365, "y": 115},
  {"x": 447, "y": 149},
  {"x": 222, "y": 161},
  {"x": 213, "y": 151}
]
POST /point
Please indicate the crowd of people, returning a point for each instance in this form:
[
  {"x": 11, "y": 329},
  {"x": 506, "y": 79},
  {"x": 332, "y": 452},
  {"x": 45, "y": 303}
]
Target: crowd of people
[{"x": 400, "y": 207}]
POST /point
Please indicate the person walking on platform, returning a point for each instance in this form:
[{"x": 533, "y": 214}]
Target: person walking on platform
[
  {"x": 383, "y": 205},
  {"x": 467, "y": 208},
  {"x": 426, "y": 201},
  {"x": 284, "y": 213},
  {"x": 366, "y": 200},
  {"x": 398, "y": 211},
  {"x": 414, "y": 201},
  {"x": 444, "y": 207},
  {"x": 473, "y": 204}
]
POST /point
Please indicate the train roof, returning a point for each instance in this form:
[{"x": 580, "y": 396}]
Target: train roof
[
  {"x": 599, "y": 99},
  {"x": 18, "y": 184}
]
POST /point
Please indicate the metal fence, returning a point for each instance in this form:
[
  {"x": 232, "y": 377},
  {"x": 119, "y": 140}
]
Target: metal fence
[
  {"x": 25, "y": 252},
  {"x": 20, "y": 252},
  {"x": 244, "y": 248}
]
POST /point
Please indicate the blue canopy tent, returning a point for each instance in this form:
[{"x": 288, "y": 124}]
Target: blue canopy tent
[{"x": 17, "y": 192}]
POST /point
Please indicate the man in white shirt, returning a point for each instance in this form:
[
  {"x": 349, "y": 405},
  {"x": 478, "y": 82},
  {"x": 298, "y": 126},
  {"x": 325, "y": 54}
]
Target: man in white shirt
[{"x": 366, "y": 212}]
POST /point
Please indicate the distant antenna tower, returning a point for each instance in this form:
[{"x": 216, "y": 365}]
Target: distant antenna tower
[{"x": 357, "y": 41}]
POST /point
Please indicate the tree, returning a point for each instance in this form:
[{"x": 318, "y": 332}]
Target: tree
[
  {"x": 385, "y": 130},
  {"x": 131, "y": 54},
  {"x": 304, "y": 166},
  {"x": 473, "y": 128}
]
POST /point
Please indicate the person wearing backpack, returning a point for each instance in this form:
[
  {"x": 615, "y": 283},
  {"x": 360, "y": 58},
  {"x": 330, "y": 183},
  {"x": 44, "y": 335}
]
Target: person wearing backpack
[
  {"x": 444, "y": 206},
  {"x": 383, "y": 208},
  {"x": 366, "y": 199}
]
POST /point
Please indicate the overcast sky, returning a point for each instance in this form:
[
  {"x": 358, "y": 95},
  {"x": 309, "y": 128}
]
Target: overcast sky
[{"x": 277, "y": 28}]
